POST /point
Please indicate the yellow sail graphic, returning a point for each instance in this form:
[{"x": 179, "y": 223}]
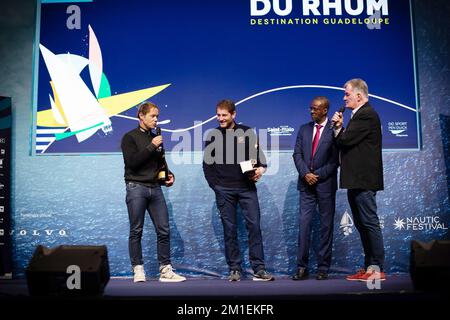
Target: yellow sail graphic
[{"x": 112, "y": 105}]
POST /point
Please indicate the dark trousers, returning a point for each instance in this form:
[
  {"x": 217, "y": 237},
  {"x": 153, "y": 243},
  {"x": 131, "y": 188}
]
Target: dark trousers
[
  {"x": 310, "y": 199},
  {"x": 364, "y": 211},
  {"x": 140, "y": 199},
  {"x": 227, "y": 200}
]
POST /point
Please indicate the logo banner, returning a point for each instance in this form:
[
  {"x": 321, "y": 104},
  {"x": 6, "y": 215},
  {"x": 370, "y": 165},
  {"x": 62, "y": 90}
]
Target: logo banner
[{"x": 5, "y": 187}]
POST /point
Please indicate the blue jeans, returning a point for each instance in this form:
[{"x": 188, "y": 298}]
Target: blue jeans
[
  {"x": 139, "y": 199},
  {"x": 227, "y": 200},
  {"x": 364, "y": 211}
]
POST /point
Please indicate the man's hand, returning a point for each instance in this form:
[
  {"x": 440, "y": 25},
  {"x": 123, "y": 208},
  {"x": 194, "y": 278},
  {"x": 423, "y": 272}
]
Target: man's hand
[
  {"x": 170, "y": 181},
  {"x": 311, "y": 178},
  {"x": 157, "y": 141},
  {"x": 338, "y": 120},
  {"x": 258, "y": 174}
]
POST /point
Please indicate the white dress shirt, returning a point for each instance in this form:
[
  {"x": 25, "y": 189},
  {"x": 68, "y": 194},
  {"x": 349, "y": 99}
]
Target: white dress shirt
[{"x": 323, "y": 124}]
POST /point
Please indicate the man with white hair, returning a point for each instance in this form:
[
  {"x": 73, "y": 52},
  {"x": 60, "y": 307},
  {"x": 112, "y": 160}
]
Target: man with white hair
[{"x": 362, "y": 174}]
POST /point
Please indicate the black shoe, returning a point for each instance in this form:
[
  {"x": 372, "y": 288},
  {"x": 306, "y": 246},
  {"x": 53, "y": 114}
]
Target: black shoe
[
  {"x": 322, "y": 275},
  {"x": 263, "y": 275},
  {"x": 301, "y": 274}
]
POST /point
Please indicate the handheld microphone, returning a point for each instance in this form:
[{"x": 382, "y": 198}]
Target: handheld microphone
[
  {"x": 163, "y": 174},
  {"x": 158, "y": 133},
  {"x": 341, "y": 110}
]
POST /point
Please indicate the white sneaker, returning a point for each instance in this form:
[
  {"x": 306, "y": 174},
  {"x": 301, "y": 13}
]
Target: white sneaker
[
  {"x": 168, "y": 275},
  {"x": 139, "y": 273}
]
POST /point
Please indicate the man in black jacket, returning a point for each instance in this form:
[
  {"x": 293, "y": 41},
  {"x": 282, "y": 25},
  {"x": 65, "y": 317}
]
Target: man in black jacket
[
  {"x": 143, "y": 157},
  {"x": 362, "y": 174},
  {"x": 229, "y": 149}
]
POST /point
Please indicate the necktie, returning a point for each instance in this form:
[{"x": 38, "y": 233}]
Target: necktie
[{"x": 316, "y": 140}]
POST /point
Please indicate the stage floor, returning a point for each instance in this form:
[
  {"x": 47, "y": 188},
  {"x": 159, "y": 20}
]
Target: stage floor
[
  {"x": 281, "y": 288},
  {"x": 220, "y": 299}
]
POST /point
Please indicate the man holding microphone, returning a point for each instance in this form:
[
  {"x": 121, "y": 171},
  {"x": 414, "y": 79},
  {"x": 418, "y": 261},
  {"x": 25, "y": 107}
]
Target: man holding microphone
[
  {"x": 143, "y": 158},
  {"x": 362, "y": 174}
]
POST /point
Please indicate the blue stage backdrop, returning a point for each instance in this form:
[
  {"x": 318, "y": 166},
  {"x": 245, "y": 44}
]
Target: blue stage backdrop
[
  {"x": 95, "y": 64},
  {"x": 206, "y": 51}
]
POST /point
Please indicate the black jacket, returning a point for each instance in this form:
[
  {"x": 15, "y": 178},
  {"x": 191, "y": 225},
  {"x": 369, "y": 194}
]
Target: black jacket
[
  {"x": 360, "y": 146},
  {"x": 242, "y": 145}
]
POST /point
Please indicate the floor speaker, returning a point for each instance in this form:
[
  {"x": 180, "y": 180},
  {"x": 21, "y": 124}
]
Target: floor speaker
[
  {"x": 430, "y": 265},
  {"x": 68, "y": 271}
]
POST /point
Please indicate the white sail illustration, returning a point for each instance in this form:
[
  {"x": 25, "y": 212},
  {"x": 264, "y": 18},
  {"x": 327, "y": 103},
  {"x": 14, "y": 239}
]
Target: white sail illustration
[
  {"x": 56, "y": 113},
  {"x": 76, "y": 62},
  {"x": 81, "y": 109},
  {"x": 95, "y": 61},
  {"x": 346, "y": 223}
]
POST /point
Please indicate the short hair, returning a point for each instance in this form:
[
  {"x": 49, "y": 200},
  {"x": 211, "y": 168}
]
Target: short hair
[
  {"x": 358, "y": 85},
  {"x": 323, "y": 101},
  {"x": 227, "y": 105},
  {"x": 145, "y": 108}
]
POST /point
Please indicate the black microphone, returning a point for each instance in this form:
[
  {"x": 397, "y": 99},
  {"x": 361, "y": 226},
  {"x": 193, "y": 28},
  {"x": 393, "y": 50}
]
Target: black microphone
[
  {"x": 341, "y": 110},
  {"x": 158, "y": 133},
  {"x": 163, "y": 174}
]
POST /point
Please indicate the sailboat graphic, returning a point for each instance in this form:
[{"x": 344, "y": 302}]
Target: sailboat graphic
[
  {"x": 346, "y": 224},
  {"x": 81, "y": 110},
  {"x": 75, "y": 110}
]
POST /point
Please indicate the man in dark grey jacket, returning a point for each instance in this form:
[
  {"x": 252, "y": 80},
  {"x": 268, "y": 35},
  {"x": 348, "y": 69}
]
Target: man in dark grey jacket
[{"x": 227, "y": 150}]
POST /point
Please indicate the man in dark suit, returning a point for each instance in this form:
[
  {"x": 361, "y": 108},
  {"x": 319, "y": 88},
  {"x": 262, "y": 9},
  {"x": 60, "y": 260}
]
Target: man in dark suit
[
  {"x": 316, "y": 158},
  {"x": 362, "y": 174}
]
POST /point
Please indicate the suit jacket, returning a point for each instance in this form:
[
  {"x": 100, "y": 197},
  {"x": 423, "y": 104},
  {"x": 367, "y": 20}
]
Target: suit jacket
[
  {"x": 360, "y": 146},
  {"x": 325, "y": 161}
]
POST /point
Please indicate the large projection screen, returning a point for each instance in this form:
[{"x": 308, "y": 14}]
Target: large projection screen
[{"x": 95, "y": 61}]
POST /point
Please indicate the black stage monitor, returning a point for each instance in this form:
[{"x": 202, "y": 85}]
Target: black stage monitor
[
  {"x": 430, "y": 265},
  {"x": 68, "y": 271}
]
